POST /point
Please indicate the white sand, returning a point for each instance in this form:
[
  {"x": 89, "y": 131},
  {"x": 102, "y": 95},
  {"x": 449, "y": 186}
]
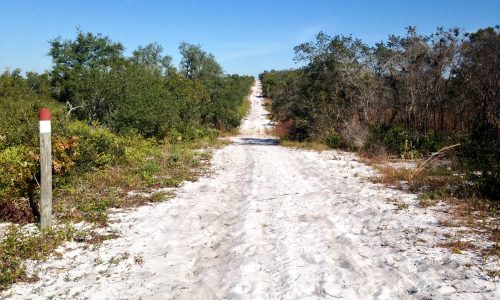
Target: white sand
[{"x": 271, "y": 223}]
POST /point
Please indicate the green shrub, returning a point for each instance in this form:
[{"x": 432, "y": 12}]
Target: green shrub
[
  {"x": 13, "y": 85},
  {"x": 18, "y": 122},
  {"x": 333, "y": 139},
  {"x": 97, "y": 146},
  {"x": 480, "y": 157},
  {"x": 396, "y": 140},
  {"x": 299, "y": 130},
  {"x": 95, "y": 210},
  {"x": 149, "y": 170},
  {"x": 431, "y": 141},
  {"x": 18, "y": 166},
  {"x": 227, "y": 104},
  {"x": 138, "y": 149}
]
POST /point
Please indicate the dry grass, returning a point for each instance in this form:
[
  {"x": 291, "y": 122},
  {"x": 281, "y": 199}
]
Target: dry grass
[
  {"x": 93, "y": 238},
  {"x": 229, "y": 133},
  {"x": 138, "y": 260},
  {"x": 305, "y": 145},
  {"x": 479, "y": 217},
  {"x": 448, "y": 223},
  {"x": 457, "y": 246},
  {"x": 392, "y": 176},
  {"x": 436, "y": 185},
  {"x": 88, "y": 196},
  {"x": 373, "y": 158},
  {"x": 492, "y": 251},
  {"x": 283, "y": 129}
]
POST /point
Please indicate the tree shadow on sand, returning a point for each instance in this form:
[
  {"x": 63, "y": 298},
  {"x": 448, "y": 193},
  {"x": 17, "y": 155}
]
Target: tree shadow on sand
[{"x": 257, "y": 141}]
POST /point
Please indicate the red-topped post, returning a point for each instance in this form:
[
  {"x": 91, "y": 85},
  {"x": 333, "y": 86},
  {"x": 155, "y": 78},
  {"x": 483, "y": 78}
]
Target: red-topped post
[{"x": 45, "y": 169}]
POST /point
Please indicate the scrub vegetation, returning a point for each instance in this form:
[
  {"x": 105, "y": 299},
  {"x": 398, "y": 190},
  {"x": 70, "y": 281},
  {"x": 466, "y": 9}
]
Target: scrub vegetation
[
  {"x": 124, "y": 130},
  {"x": 407, "y": 97}
]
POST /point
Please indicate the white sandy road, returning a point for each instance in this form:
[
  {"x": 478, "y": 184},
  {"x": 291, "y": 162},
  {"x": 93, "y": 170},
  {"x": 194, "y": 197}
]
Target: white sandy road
[{"x": 270, "y": 223}]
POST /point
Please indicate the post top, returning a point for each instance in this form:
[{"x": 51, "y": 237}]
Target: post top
[{"x": 45, "y": 114}]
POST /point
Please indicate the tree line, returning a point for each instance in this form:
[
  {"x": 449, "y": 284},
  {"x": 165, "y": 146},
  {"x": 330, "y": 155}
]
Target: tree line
[
  {"x": 144, "y": 92},
  {"x": 408, "y": 95},
  {"x": 107, "y": 108}
]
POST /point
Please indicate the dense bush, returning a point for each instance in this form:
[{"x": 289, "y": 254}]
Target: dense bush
[
  {"x": 223, "y": 111},
  {"x": 480, "y": 157},
  {"x": 144, "y": 93},
  {"x": 108, "y": 109},
  {"x": 18, "y": 111},
  {"x": 79, "y": 148},
  {"x": 93, "y": 146},
  {"x": 18, "y": 166},
  {"x": 333, "y": 139},
  {"x": 412, "y": 95}
]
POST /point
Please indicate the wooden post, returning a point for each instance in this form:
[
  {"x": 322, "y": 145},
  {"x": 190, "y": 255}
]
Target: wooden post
[{"x": 45, "y": 170}]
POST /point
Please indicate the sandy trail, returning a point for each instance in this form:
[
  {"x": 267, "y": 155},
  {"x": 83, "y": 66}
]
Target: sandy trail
[{"x": 270, "y": 223}]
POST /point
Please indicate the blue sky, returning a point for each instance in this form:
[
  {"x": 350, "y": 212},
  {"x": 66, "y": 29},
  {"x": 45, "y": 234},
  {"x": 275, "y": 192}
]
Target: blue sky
[{"x": 246, "y": 37}]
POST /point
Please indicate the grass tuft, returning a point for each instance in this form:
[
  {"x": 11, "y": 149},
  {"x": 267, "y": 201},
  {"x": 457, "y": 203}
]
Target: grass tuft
[{"x": 19, "y": 245}]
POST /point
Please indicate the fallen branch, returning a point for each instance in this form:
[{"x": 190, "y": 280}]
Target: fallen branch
[{"x": 435, "y": 154}]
